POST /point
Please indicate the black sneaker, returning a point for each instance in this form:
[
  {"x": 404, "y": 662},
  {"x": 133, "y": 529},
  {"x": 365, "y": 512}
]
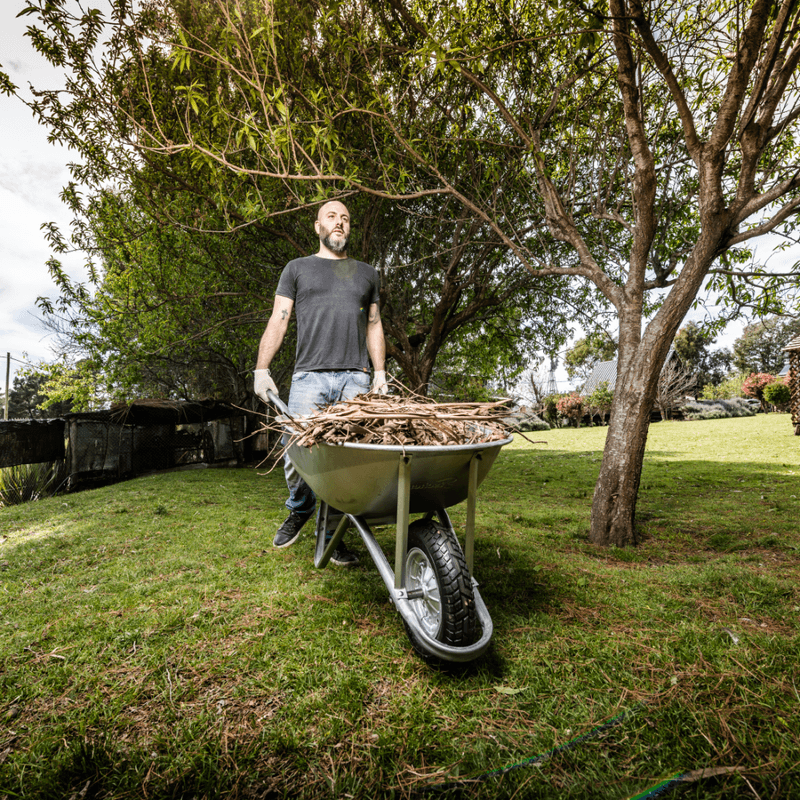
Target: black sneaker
[
  {"x": 290, "y": 529},
  {"x": 344, "y": 557}
]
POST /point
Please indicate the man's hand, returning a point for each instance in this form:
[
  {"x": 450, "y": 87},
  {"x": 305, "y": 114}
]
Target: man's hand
[
  {"x": 379, "y": 385},
  {"x": 263, "y": 383}
]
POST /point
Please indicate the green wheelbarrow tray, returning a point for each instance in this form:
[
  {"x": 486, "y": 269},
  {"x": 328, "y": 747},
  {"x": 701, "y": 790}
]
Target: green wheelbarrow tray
[{"x": 431, "y": 584}]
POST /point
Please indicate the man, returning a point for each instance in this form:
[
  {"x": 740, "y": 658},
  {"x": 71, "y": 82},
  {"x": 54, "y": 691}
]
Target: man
[{"x": 339, "y": 332}]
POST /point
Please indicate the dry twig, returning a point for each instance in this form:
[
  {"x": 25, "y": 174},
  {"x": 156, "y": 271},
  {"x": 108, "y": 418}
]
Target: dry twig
[{"x": 398, "y": 420}]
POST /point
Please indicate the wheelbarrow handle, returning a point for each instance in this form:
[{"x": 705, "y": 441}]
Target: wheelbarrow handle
[
  {"x": 279, "y": 404},
  {"x": 297, "y": 422}
]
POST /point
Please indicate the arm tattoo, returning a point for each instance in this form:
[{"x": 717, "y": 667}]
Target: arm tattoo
[{"x": 284, "y": 314}]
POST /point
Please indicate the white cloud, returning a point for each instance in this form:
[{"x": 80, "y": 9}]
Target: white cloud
[{"x": 32, "y": 174}]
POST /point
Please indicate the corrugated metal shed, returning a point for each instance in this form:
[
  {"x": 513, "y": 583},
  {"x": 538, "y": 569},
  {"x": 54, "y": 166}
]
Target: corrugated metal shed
[
  {"x": 31, "y": 441},
  {"x": 128, "y": 439}
]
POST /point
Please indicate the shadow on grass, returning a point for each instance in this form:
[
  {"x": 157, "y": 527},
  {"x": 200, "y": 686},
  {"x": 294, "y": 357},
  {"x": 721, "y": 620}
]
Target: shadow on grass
[
  {"x": 683, "y": 507},
  {"x": 147, "y": 621}
]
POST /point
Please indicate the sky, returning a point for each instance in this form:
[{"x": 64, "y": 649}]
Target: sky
[{"x": 32, "y": 174}]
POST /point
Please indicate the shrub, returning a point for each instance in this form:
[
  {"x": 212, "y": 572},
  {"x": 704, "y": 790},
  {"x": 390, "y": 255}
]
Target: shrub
[
  {"x": 533, "y": 423},
  {"x": 729, "y": 388},
  {"x": 526, "y": 422},
  {"x": 30, "y": 482},
  {"x": 717, "y": 409},
  {"x": 571, "y": 407},
  {"x": 599, "y": 401},
  {"x": 754, "y": 385},
  {"x": 778, "y": 393}
]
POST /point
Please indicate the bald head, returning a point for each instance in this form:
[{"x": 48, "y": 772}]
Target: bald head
[
  {"x": 332, "y": 205},
  {"x": 333, "y": 228}
]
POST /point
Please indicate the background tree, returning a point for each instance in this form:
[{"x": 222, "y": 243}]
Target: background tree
[
  {"x": 651, "y": 143},
  {"x": 693, "y": 346},
  {"x": 171, "y": 313},
  {"x": 166, "y": 270},
  {"x": 760, "y": 347},
  {"x": 452, "y": 304},
  {"x": 587, "y": 352},
  {"x": 26, "y": 398},
  {"x": 530, "y": 389},
  {"x": 177, "y": 312},
  {"x": 674, "y": 384}
]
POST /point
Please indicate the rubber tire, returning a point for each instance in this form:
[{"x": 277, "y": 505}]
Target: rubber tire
[{"x": 458, "y": 619}]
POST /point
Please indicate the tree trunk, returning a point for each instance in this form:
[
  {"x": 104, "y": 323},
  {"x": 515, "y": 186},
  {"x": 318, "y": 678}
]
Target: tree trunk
[
  {"x": 614, "y": 503},
  {"x": 640, "y": 363},
  {"x": 639, "y": 369}
]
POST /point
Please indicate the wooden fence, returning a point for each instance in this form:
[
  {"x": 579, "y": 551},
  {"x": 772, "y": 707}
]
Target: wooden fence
[{"x": 144, "y": 436}]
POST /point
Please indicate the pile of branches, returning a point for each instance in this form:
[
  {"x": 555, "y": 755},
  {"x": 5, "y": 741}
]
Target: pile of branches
[{"x": 397, "y": 420}]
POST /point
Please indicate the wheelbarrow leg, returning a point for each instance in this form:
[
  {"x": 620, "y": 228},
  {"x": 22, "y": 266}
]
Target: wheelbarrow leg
[
  {"x": 469, "y": 527},
  {"x": 324, "y": 550},
  {"x": 472, "y": 496},
  {"x": 403, "y": 502}
]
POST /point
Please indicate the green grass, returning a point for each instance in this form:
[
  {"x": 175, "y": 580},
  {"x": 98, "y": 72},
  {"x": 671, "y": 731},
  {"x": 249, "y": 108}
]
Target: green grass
[{"x": 153, "y": 644}]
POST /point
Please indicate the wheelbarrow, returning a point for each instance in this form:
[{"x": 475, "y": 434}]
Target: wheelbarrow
[{"x": 431, "y": 584}]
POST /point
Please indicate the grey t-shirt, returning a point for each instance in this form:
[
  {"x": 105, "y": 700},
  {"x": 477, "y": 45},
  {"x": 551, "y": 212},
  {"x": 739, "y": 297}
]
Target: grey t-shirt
[{"x": 331, "y": 300}]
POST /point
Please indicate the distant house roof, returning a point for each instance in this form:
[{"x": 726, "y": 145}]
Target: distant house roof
[
  {"x": 794, "y": 344},
  {"x": 604, "y": 371},
  {"x": 607, "y": 371}
]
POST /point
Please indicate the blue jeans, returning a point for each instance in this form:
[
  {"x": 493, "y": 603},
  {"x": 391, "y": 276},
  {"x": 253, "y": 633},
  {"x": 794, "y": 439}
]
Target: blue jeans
[{"x": 311, "y": 391}]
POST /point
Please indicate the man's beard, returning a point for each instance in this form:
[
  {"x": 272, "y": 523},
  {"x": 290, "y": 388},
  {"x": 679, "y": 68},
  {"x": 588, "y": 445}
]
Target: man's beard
[{"x": 335, "y": 246}]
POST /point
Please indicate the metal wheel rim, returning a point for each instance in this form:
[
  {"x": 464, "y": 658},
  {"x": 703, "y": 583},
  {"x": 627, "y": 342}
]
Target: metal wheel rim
[{"x": 420, "y": 575}]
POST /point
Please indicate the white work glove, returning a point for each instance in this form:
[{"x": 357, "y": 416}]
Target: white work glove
[
  {"x": 379, "y": 385},
  {"x": 263, "y": 383}
]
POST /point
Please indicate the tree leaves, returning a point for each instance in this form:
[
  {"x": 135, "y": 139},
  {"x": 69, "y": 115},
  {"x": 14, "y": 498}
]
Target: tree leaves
[{"x": 620, "y": 150}]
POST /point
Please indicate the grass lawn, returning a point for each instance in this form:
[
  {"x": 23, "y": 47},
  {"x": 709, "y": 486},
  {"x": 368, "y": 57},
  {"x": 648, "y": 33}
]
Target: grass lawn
[{"x": 153, "y": 644}]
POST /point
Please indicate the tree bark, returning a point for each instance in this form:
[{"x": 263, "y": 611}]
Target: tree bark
[
  {"x": 617, "y": 488},
  {"x": 615, "y": 494},
  {"x": 640, "y": 363}
]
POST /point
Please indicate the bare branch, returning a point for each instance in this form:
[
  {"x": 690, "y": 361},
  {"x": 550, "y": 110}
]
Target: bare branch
[{"x": 665, "y": 68}]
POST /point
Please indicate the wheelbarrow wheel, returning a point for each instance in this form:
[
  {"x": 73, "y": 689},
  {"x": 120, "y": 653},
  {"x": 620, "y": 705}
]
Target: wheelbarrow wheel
[{"x": 439, "y": 586}]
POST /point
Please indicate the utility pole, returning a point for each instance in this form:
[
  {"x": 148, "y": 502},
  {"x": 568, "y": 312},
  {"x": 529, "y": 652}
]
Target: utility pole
[
  {"x": 8, "y": 374},
  {"x": 551, "y": 387}
]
